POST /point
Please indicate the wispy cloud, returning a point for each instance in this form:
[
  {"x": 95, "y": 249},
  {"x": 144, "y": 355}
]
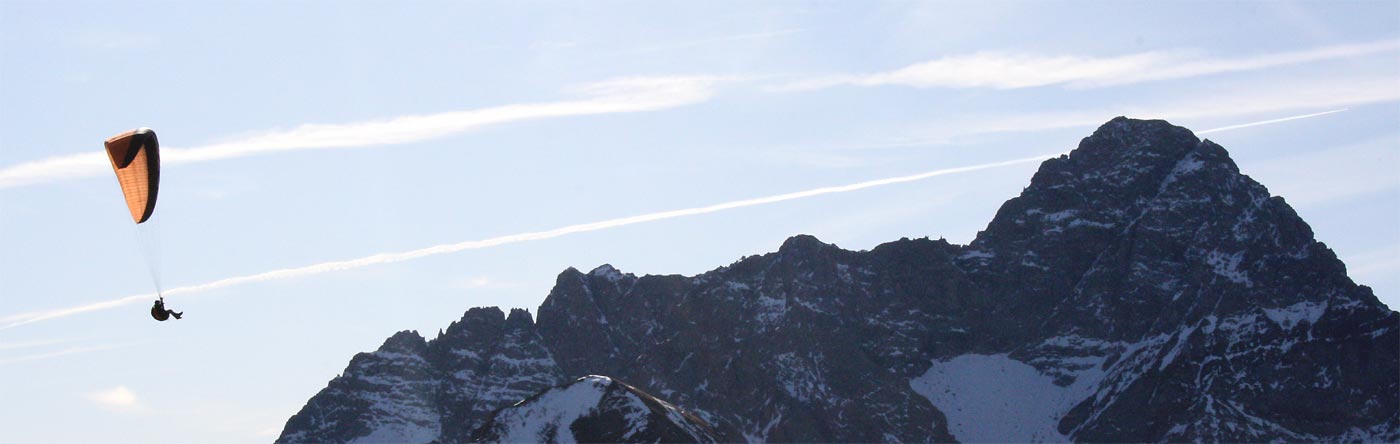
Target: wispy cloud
[
  {"x": 58, "y": 353},
  {"x": 1378, "y": 264},
  {"x": 1260, "y": 99},
  {"x": 272, "y": 431},
  {"x": 387, "y": 258},
  {"x": 1004, "y": 70},
  {"x": 117, "y": 398},
  {"x": 748, "y": 37},
  {"x": 31, "y": 344},
  {"x": 1335, "y": 174},
  {"x": 622, "y": 95},
  {"x": 124, "y": 40},
  {"x": 477, "y": 282}
]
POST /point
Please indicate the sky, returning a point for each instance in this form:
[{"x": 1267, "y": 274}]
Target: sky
[{"x": 335, "y": 172}]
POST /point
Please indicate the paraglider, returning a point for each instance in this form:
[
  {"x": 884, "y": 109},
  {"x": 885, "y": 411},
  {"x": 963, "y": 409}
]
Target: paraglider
[
  {"x": 135, "y": 157},
  {"x": 161, "y": 313}
]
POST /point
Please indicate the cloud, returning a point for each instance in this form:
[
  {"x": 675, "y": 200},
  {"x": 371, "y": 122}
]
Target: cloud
[
  {"x": 1259, "y": 98},
  {"x": 688, "y": 44},
  {"x": 1003, "y": 70},
  {"x": 1378, "y": 264},
  {"x": 479, "y": 281},
  {"x": 621, "y": 95},
  {"x": 476, "y": 282},
  {"x": 31, "y": 344},
  {"x": 388, "y": 258},
  {"x": 117, "y": 398},
  {"x": 1345, "y": 172},
  {"x": 124, "y": 40},
  {"x": 58, "y": 353}
]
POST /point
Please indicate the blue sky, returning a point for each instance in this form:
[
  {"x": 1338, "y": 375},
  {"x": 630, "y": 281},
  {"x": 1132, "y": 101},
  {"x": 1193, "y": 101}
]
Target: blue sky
[{"x": 297, "y": 135}]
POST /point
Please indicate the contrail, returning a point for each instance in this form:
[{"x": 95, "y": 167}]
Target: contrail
[
  {"x": 386, "y": 258},
  {"x": 1272, "y": 121},
  {"x": 622, "y": 95}
]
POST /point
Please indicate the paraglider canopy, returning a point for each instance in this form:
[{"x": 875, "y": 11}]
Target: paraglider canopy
[{"x": 135, "y": 158}]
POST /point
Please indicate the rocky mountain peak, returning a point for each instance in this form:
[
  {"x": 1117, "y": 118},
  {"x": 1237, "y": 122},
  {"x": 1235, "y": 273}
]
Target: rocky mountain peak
[
  {"x": 407, "y": 341},
  {"x": 802, "y": 244},
  {"x": 476, "y": 321},
  {"x": 607, "y": 272},
  {"x": 519, "y": 319},
  {"x": 1103, "y": 183}
]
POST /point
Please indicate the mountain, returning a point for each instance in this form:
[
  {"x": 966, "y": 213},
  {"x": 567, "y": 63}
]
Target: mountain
[
  {"x": 412, "y": 390},
  {"x": 594, "y": 409},
  {"x": 1139, "y": 289}
]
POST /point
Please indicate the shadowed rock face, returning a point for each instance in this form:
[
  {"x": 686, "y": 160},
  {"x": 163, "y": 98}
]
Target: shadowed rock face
[{"x": 1168, "y": 296}]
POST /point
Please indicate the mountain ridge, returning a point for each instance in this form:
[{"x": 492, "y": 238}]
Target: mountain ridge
[{"x": 1159, "y": 293}]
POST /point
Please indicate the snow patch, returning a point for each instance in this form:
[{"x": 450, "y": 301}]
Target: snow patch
[
  {"x": 1060, "y": 215},
  {"x": 1188, "y": 165},
  {"x": 1295, "y": 314},
  {"x": 977, "y": 254},
  {"x": 556, "y": 409},
  {"x": 401, "y": 433},
  {"x": 843, "y": 272},
  {"x": 802, "y": 378},
  {"x": 1182, "y": 337},
  {"x": 607, "y": 271},
  {"x": 1228, "y": 265},
  {"x": 770, "y": 309},
  {"x": 1089, "y": 223},
  {"x": 993, "y": 398},
  {"x": 637, "y": 412}
]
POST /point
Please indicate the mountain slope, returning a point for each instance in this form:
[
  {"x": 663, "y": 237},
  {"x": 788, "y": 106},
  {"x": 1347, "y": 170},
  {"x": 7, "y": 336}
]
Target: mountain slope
[
  {"x": 411, "y": 390},
  {"x": 1139, "y": 289},
  {"x": 594, "y": 409}
]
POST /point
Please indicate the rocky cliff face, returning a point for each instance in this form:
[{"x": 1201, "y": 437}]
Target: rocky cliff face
[
  {"x": 412, "y": 390},
  {"x": 1139, "y": 289}
]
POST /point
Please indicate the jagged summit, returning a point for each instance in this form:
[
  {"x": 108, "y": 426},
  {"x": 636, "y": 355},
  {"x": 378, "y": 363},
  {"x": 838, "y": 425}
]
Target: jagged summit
[
  {"x": 404, "y": 341},
  {"x": 1138, "y": 289},
  {"x": 607, "y": 271},
  {"x": 519, "y": 319},
  {"x": 1112, "y": 173},
  {"x": 802, "y": 243}
]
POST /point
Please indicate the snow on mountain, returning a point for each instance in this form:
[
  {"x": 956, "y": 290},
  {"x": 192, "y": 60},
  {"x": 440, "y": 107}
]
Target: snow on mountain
[
  {"x": 594, "y": 409},
  {"x": 994, "y": 398},
  {"x": 1140, "y": 289},
  {"x": 547, "y": 417}
]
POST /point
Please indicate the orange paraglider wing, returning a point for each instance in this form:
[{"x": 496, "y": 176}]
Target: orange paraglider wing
[{"x": 135, "y": 158}]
